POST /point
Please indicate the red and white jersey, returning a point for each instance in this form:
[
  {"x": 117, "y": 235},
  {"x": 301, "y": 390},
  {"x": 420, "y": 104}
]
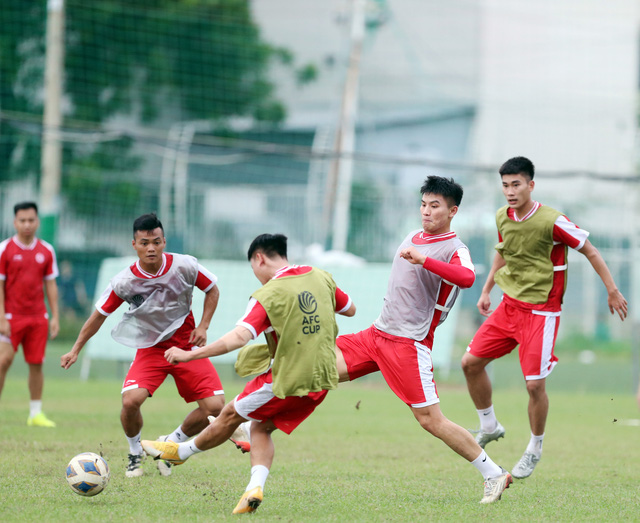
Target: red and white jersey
[
  {"x": 159, "y": 303},
  {"x": 565, "y": 234},
  {"x": 255, "y": 317},
  {"x": 23, "y": 269},
  {"x": 419, "y": 298}
]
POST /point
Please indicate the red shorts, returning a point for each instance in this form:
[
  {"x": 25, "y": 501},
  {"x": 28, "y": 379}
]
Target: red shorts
[
  {"x": 508, "y": 326},
  {"x": 405, "y": 364},
  {"x": 257, "y": 402},
  {"x": 31, "y": 332},
  {"x": 196, "y": 379}
]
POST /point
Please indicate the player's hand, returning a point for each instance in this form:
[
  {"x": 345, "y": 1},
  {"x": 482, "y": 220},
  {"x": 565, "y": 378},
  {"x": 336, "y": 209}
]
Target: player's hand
[
  {"x": 198, "y": 336},
  {"x": 54, "y": 328},
  {"x": 5, "y": 327},
  {"x": 175, "y": 355},
  {"x": 68, "y": 359},
  {"x": 484, "y": 304},
  {"x": 412, "y": 255},
  {"x": 617, "y": 303}
]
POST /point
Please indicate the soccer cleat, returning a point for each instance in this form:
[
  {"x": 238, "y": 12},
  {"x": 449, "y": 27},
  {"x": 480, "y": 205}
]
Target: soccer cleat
[
  {"x": 240, "y": 437},
  {"x": 164, "y": 467},
  {"x": 134, "y": 468},
  {"x": 494, "y": 487},
  {"x": 165, "y": 450},
  {"x": 249, "y": 501},
  {"x": 485, "y": 437},
  {"x": 526, "y": 464},
  {"x": 40, "y": 420}
]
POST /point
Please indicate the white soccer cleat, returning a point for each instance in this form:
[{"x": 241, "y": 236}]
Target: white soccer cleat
[
  {"x": 134, "y": 468},
  {"x": 482, "y": 438},
  {"x": 526, "y": 464},
  {"x": 494, "y": 487}
]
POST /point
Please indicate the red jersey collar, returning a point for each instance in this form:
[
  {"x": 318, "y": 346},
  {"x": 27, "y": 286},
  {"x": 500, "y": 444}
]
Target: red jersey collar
[
  {"x": 167, "y": 260},
  {"x": 423, "y": 238}
]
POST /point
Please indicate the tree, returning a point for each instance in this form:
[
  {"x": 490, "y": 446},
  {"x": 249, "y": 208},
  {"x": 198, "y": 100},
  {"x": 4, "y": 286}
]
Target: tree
[{"x": 159, "y": 60}]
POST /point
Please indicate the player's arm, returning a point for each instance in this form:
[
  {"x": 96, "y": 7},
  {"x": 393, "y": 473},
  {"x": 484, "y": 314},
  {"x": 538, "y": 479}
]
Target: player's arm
[
  {"x": 232, "y": 340},
  {"x": 615, "y": 299},
  {"x": 51, "y": 290},
  {"x": 5, "y": 326},
  {"x": 211, "y": 298},
  {"x": 90, "y": 327},
  {"x": 459, "y": 273}
]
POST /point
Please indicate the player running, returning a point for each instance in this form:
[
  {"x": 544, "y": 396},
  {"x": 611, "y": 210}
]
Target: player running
[
  {"x": 296, "y": 310},
  {"x": 159, "y": 289},
  {"x": 25, "y": 263},
  {"x": 430, "y": 267},
  {"x": 530, "y": 266}
]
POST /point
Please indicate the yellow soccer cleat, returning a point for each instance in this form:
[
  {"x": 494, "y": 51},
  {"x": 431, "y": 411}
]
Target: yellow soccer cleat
[
  {"x": 165, "y": 450},
  {"x": 249, "y": 501},
  {"x": 40, "y": 420}
]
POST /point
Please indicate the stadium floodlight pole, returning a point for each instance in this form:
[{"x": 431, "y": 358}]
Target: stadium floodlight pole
[
  {"x": 51, "y": 156},
  {"x": 345, "y": 141}
]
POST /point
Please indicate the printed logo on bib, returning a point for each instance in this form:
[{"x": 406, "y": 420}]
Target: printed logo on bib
[
  {"x": 308, "y": 305},
  {"x": 137, "y": 300}
]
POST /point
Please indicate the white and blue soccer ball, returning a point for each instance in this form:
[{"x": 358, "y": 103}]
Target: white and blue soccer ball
[{"x": 88, "y": 474}]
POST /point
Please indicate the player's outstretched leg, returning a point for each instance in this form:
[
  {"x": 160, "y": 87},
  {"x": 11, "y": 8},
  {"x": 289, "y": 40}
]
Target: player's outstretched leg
[
  {"x": 494, "y": 487},
  {"x": 241, "y": 437}
]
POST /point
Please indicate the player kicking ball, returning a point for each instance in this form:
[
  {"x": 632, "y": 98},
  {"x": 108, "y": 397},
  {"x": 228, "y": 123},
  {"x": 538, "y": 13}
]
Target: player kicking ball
[{"x": 295, "y": 308}]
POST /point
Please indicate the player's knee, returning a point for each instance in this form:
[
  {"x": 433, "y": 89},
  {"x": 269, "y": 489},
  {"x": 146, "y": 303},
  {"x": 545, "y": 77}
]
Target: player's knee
[
  {"x": 5, "y": 362},
  {"x": 536, "y": 388},
  {"x": 213, "y": 406},
  {"x": 131, "y": 403},
  {"x": 471, "y": 365}
]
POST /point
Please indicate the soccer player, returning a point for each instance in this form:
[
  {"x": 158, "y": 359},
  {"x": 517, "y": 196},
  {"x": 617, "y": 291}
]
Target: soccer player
[
  {"x": 295, "y": 308},
  {"x": 25, "y": 263},
  {"x": 430, "y": 267},
  {"x": 530, "y": 266},
  {"x": 158, "y": 288}
]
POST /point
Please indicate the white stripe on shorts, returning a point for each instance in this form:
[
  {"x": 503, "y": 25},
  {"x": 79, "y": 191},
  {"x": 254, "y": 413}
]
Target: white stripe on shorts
[
  {"x": 254, "y": 400},
  {"x": 546, "y": 366},
  {"x": 425, "y": 367}
]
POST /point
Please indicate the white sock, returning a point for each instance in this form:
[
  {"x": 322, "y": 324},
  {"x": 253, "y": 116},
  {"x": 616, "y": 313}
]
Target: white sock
[
  {"x": 188, "y": 449},
  {"x": 488, "y": 420},
  {"x": 535, "y": 444},
  {"x": 486, "y": 466},
  {"x": 177, "y": 436},
  {"x": 259, "y": 475},
  {"x": 35, "y": 407},
  {"x": 134, "y": 444}
]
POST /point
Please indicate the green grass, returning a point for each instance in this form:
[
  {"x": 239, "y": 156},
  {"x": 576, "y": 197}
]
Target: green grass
[{"x": 361, "y": 457}]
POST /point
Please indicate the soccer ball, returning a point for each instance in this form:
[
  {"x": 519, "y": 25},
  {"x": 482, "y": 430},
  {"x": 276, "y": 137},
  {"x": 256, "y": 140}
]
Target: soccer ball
[{"x": 88, "y": 474}]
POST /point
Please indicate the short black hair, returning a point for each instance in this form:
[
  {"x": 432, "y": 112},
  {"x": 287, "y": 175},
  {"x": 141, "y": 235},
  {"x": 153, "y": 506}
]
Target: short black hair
[
  {"x": 271, "y": 245},
  {"x": 446, "y": 187},
  {"x": 518, "y": 165},
  {"x": 146, "y": 222},
  {"x": 23, "y": 206}
]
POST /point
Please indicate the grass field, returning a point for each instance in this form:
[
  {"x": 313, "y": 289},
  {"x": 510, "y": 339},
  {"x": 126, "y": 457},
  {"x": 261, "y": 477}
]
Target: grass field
[{"x": 359, "y": 457}]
